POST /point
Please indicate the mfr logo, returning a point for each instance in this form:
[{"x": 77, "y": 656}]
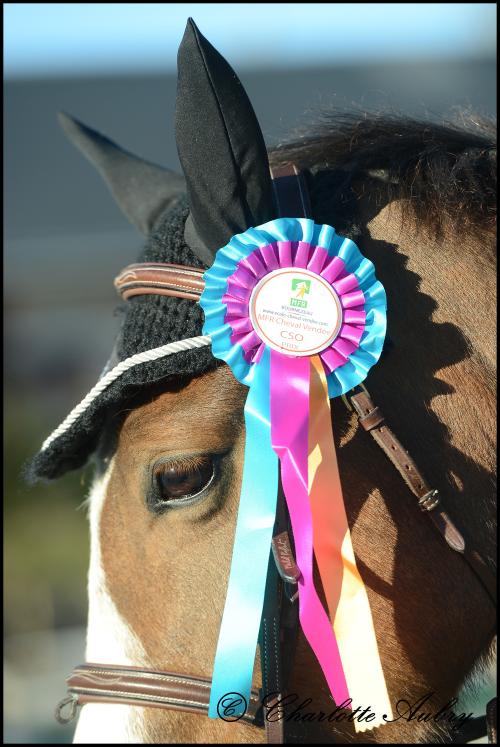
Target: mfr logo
[{"x": 300, "y": 288}]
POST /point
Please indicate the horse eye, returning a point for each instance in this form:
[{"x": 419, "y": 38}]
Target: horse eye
[{"x": 178, "y": 482}]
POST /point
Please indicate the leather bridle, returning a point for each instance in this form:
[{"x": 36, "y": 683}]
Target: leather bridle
[{"x": 99, "y": 683}]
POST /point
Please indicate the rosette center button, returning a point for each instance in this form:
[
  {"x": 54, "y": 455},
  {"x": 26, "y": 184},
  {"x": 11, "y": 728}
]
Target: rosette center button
[{"x": 295, "y": 311}]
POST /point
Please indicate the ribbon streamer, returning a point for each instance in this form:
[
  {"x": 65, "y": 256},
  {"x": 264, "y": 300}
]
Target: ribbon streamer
[
  {"x": 235, "y": 656},
  {"x": 344, "y": 589},
  {"x": 289, "y": 436}
]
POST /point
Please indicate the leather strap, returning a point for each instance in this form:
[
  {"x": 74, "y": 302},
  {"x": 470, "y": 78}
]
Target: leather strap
[
  {"x": 291, "y": 195},
  {"x": 372, "y": 420},
  {"x": 280, "y": 613},
  {"x": 100, "y": 683},
  {"x": 280, "y": 621},
  {"x": 491, "y": 721},
  {"x": 164, "y": 279},
  {"x": 271, "y": 652},
  {"x": 160, "y": 279},
  {"x": 283, "y": 557}
]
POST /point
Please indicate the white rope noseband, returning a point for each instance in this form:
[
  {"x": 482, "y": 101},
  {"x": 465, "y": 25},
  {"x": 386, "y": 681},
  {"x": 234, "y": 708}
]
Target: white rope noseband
[{"x": 148, "y": 355}]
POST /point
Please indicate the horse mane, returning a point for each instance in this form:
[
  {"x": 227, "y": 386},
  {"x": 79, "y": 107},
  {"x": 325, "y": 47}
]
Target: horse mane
[{"x": 444, "y": 174}]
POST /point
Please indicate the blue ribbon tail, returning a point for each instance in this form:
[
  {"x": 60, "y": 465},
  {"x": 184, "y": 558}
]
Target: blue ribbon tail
[{"x": 235, "y": 655}]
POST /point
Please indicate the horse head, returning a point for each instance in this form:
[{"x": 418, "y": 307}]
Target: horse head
[{"x": 167, "y": 434}]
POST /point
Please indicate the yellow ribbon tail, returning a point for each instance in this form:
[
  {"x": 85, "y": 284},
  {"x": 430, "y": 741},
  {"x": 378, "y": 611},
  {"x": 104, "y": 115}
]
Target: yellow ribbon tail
[{"x": 344, "y": 589}]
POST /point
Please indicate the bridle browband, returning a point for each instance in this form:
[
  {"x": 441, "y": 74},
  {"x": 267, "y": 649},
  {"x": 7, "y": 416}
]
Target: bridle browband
[
  {"x": 98, "y": 683},
  {"x": 160, "y": 279}
]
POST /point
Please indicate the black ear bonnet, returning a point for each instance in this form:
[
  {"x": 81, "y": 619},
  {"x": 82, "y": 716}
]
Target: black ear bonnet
[{"x": 225, "y": 188}]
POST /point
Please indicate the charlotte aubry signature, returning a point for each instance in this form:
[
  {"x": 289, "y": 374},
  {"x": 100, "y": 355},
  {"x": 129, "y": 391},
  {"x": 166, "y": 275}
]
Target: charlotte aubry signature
[
  {"x": 288, "y": 709},
  {"x": 416, "y": 712}
]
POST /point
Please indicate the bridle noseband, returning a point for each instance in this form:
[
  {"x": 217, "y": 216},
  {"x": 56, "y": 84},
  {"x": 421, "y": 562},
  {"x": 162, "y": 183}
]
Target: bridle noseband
[{"x": 98, "y": 683}]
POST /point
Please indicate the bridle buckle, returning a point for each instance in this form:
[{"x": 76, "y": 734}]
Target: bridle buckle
[
  {"x": 429, "y": 501},
  {"x": 65, "y": 710},
  {"x": 353, "y": 391}
]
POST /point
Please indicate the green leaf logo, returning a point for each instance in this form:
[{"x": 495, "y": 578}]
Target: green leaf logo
[{"x": 301, "y": 287}]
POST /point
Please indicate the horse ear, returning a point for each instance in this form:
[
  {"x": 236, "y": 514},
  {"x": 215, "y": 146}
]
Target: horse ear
[
  {"x": 220, "y": 145},
  {"x": 141, "y": 189}
]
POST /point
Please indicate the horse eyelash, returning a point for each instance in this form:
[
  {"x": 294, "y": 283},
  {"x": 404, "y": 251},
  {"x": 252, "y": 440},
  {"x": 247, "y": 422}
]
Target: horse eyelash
[
  {"x": 188, "y": 464},
  {"x": 185, "y": 463}
]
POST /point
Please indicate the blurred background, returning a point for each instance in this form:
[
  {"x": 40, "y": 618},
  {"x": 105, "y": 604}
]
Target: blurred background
[{"x": 114, "y": 67}]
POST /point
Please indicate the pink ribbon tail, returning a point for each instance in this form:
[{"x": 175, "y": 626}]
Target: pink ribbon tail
[{"x": 289, "y": 389}]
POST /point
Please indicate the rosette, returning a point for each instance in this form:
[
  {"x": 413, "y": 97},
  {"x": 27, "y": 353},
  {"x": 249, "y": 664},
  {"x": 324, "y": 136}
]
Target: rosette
[
  {"x": 287, "y": 243},
  {"x": 296, "y": 311}
]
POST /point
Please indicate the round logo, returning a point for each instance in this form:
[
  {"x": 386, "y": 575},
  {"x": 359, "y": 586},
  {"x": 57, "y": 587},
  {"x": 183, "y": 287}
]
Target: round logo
[
  {"x": 232, "y": 707},
  {"x": 295, "y": 311}
]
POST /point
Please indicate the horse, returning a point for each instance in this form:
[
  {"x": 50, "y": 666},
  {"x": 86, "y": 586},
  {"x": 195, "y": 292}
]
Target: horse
[{"x": 419, "y": 199}]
